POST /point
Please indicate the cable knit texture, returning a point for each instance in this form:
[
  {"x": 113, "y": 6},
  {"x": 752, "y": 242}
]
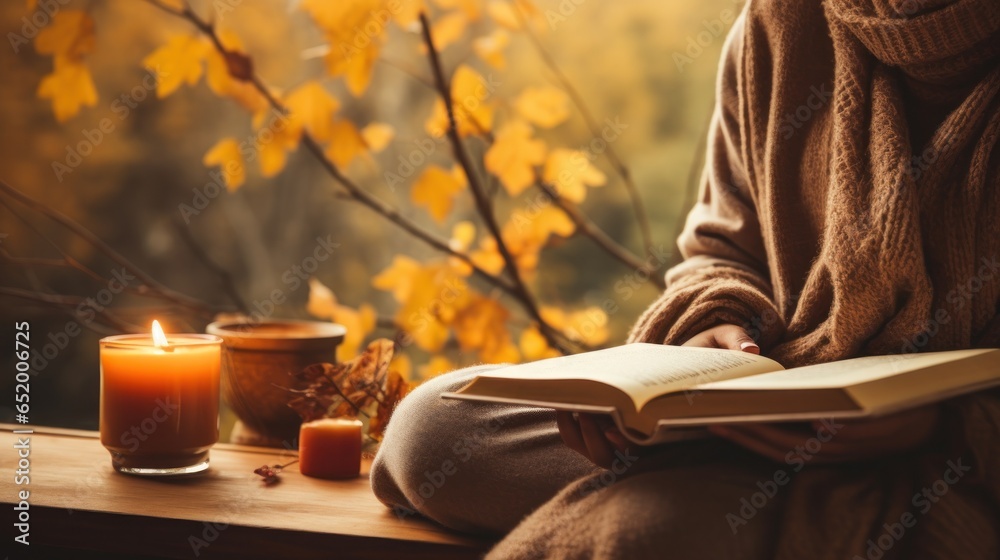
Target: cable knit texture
[{"x": 850, "y": 206}]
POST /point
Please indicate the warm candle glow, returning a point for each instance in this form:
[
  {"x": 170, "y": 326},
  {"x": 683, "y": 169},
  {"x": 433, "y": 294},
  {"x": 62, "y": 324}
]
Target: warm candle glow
[
  {"x": 160, "y": 404},
  {"x": 159, "y": 339}
]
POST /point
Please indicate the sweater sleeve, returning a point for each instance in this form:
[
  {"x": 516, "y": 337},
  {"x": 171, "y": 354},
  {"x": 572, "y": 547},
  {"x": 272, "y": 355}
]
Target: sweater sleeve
[{"x": 723, "y": 278}]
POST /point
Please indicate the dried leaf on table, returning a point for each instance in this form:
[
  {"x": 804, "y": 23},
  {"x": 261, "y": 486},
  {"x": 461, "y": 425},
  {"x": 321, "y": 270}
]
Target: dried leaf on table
[{"x": 353, "y": 387}]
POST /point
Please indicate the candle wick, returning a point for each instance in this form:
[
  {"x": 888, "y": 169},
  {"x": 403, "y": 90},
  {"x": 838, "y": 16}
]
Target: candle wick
[{"x": 166, "y": 348}]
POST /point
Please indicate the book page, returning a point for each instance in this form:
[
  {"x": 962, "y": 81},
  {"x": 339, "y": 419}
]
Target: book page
[
  {"x": 644, "y": 371},
  {"x": 844, "y": 373}
]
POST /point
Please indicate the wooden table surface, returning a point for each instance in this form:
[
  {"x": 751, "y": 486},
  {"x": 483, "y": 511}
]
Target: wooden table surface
[{"x": 78, "y": 501}]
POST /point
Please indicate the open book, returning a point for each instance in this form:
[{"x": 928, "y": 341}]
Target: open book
[{"x": 646, "y": 387}]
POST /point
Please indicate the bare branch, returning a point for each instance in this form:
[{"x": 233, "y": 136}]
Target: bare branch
[
  {"x": 616, "y": 162},
  {"x": 223, "y": 275},
  {"x": 150, "y": 287},
  {"x": 483, "y": 206}
]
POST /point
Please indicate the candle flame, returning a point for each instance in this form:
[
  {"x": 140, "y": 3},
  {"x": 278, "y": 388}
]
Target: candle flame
[{"x": 159, "y": 339}]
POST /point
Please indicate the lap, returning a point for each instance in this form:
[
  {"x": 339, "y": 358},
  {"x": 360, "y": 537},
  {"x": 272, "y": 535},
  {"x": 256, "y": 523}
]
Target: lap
[{"x": 472, "y": 466}]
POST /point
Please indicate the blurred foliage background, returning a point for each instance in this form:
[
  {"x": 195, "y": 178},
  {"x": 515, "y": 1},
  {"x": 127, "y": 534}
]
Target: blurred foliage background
[{"x": 622, "y": 56}]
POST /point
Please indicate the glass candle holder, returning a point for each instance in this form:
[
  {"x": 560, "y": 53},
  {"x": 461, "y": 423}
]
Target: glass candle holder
[{"x": 160, "y": 404}]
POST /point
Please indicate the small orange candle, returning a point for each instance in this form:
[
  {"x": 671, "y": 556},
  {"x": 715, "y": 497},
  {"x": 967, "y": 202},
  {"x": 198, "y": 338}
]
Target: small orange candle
[
  {"x": 330, "y": 448},
  {"x": 160, "y": 401}
]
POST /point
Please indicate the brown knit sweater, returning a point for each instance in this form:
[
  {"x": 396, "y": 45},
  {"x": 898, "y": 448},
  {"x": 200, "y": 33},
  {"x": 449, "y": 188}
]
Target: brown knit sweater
[{"x": 851, "y": 206}]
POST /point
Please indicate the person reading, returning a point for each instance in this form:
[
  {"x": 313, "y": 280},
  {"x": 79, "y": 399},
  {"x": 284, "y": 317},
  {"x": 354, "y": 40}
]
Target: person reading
[{"x": 850, "y": 206}]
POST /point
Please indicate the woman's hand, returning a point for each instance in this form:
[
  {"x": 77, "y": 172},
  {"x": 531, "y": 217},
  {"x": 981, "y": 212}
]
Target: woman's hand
[
  {"x": 595, "y": 436},
  {"x": 837, "y": 442}
]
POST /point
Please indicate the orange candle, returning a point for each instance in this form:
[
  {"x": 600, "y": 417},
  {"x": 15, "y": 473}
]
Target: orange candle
[
  {"x": 160, "y": 401},
  {"x": 330, "y": 448}
]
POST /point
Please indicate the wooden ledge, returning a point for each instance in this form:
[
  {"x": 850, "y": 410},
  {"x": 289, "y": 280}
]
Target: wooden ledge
[{"x": 78, "y": 501}]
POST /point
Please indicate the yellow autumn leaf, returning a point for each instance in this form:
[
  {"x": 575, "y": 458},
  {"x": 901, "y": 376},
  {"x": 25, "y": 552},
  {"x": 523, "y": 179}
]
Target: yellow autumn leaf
[
  {"x": 538, "y": 224},
  {"x": 226, "y": 155},
  {"x": 69, "y": 87},
  {"x": 429, "y": 295},
  {"x": 435, "y": 367},
  {"x": 503, "y": 13},
  {"x": 490, "y": 48},
  {"x": 470, "y": 8},
  {"x": 570, "y": 172},
  {"x": 354, "y": 63},
  {"x": 407, "y": 11},
  {"x": 397, "y": 278},
  {"x": 470, "y": 94},
  {"x": 378, "y": 135},
  {"x": 525, "y": 234},
  {"x": 435, "y": 190},
  {"x": 359, "y": 323},
  {"x": 589, "y": 325},
  {"x": 462, "y": 235},
  {"x": 514, "y": 155},
  {"x": 346, "y": 143},
  {"x": 545, "y": 106},
  {"x": 533, "y": 345},
  {"x": 176, "y": 63},
  {"x": 274, "y": 138},
  {"x": 321, "y": 303},
  {"x": 510, "y": 13},
  {"x": 313, "y": 107},
  {"x": 223, "y": 84},
  {"x": 448, "y": 29},
  {"x": 273, "y": 157},
  {"x": 344, "y": 19},
  {"x": 488, "y": 257},
  {"x": 69, "y": 34},
  {"x": 482, "y": 326},
  {"x": 402, "y": 365},
  {"x": 554, "y": 316},
  {"x": 437, "y": 124}
]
